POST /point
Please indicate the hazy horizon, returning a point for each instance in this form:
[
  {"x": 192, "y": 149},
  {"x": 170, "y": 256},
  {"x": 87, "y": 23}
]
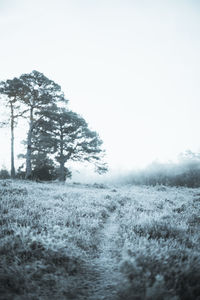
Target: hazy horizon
[{"x": 130, "y": 68}]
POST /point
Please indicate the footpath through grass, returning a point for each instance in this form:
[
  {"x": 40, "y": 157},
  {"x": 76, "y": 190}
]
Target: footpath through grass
[{"x": 95, "y": 242}]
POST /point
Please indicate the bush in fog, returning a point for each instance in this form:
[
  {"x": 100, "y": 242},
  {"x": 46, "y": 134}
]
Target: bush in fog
[
  {"x": 48, "y": 173},
  {"x": 4, "y": 174},
  {"x": 44, "y": 172}
]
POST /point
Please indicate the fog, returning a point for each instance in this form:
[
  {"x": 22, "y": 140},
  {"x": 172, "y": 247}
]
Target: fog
[{"x": 131, "y": 68}]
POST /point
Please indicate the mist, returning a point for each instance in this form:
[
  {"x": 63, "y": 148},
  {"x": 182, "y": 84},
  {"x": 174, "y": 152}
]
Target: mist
[{"x": 99, "y": 196}]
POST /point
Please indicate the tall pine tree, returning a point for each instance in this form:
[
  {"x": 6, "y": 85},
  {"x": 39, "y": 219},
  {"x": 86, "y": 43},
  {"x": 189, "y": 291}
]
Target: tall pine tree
[
  {"x": 12, "y": 91},
  {"x": 41, "y": 93},
  {"x": 67, "y": 135}
]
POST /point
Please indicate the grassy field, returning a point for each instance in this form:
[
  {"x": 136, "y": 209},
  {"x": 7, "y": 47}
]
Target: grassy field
[{"x": 75, "y": 241}]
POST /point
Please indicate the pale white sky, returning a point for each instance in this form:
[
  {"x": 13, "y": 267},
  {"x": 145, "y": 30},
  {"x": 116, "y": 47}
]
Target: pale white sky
[{"x": 130, "y": 67}]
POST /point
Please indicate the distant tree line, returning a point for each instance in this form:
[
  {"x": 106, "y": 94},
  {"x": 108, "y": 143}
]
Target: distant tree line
[
  {"x": 55, "y": 134},
  {"x": 185, "y": 173}
]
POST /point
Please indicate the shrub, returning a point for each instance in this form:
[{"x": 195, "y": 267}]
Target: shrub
[
  {"x": 159, "y": 230},
  {"x": 172, "y": 276},
  {"x": 4, "y": 174}
]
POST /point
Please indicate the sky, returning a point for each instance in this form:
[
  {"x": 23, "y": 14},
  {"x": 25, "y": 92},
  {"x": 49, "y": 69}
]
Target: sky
[{"x": 131, "y": 68}]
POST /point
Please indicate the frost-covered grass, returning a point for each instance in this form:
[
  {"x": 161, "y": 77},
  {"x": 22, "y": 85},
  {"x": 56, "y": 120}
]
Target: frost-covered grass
[
  {"x": 67, "y": 241},
  {"x": 159, "y": 233}
]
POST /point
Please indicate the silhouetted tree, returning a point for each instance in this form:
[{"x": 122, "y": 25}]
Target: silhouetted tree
[
  {"x": 12, "y": 91},
  {"x": 43, "y": 164},
  {"x": 66, "y": 135},
  {"x": 41, "y": 93}
]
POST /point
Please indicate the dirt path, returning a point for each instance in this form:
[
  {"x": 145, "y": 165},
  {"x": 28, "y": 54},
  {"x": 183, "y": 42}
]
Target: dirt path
[{"x": 105, "y": 264}]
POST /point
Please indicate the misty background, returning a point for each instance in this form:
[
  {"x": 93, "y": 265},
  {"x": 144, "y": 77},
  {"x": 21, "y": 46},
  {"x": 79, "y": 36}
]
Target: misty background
[{"x": 131, "y": 68}]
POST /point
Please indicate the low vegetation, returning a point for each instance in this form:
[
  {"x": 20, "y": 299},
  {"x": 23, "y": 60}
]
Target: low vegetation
[
  {"x": 186, "y": 172},
  {"x": 75, "y": 241},
  {"x": 4, "y": 174}
]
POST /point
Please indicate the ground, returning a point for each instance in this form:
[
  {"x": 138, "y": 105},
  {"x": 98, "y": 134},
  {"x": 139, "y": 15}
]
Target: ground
[{"x": 95, "y": 242}]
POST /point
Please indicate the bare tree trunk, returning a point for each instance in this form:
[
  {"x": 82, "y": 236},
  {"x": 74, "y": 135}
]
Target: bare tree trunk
[
  {"x": 62, "y": 159},
  {"x": 12, "y": 143},
  {"x": 62, "y": 171},
  {"x": 29, "y": 144}
]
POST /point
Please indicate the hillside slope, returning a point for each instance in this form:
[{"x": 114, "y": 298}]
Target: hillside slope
[{"x": 71, "y": 241}]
